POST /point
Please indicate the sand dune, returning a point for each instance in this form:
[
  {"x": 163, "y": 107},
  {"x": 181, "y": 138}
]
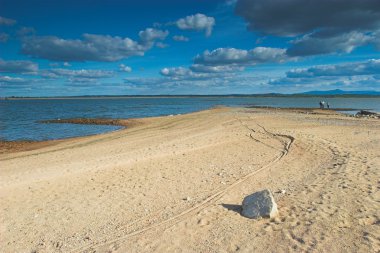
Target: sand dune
[{"x": 175, "y": 184}]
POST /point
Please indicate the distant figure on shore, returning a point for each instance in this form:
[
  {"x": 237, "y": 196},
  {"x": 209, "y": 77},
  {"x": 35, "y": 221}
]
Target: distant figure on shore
[
  {"x": 328, "y": 105},
  {"x": 322, "y": 104}
]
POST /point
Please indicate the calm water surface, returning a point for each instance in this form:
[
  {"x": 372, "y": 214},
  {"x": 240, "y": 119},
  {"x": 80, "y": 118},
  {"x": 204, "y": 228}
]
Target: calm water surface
[{"x": 19, "y": 118}]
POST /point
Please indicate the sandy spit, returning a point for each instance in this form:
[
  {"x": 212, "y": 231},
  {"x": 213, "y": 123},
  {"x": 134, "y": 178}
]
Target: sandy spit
[{"x": 175, "y": 184}]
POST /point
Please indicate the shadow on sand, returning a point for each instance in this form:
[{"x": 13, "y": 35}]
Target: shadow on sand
[{"x": 235, "y": 208}]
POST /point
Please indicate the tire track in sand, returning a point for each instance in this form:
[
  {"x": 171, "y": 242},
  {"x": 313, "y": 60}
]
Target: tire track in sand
[{"x": 212, "y": 199}]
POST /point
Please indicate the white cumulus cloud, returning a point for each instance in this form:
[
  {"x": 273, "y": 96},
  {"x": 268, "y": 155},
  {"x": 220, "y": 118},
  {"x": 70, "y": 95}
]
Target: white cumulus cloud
[
  {"x": 226, "y": 56},
  {"x": 125, "y": 68},
  {"x": 197, "y": 22},
  {"x": 92, "y": 47}
]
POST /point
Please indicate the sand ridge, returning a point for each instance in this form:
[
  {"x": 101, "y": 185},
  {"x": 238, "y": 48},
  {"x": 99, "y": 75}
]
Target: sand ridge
[{"x": 175, "y": 184}]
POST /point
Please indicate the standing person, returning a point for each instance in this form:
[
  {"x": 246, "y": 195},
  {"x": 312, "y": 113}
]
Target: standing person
[
  {"x": 328, "y": 105},
  {"x": 320, "y": 104}
]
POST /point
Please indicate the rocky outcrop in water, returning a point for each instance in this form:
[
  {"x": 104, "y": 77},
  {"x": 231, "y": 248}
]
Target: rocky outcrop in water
[{"x": 368, "y": 114}]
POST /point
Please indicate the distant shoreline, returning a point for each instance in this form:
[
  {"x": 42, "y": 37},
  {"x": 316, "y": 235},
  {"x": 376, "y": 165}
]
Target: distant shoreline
[
  {"x": 8, "y": 146},
  {"x": 196, "y": 96}
]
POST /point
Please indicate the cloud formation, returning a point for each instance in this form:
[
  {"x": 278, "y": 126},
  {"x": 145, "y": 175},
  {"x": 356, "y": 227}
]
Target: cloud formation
[
  {"x": 354, "y": 75},
  {"x": 149, "y": 35},
  {"x": 4, "y": 37},
  {"x": 233, "y": 56},
  {"x": 295, "y": 17},
  {"x": 188, "y": 74},
  {"x": 180, "y": 73},
  {"x": 18, "y": 66},
  {"x": 76, "y": 77},
  {"x": 215, "y": 69},
  {"x": 316, "y": 44},
  {"x": 161, "y": 45},
  {"x": 370, "y": 67},
  {"x": 197, "y": 22},
  {"x": 223, "y": 64},
  {"x": 7, "y": 21},
  {"x": 9, "y": 80},
  {"x": 23, "y": 31},
  {"x": 81, "y": 73},
  {"x": 219, "y": 83},
  {"x": 180, "y": 38},
  {"x": 325, "y": 26},
  {"x": 359, "y": 82},
  {"x": 124, "y": 68},
  {"x": 92, "y": 47}
]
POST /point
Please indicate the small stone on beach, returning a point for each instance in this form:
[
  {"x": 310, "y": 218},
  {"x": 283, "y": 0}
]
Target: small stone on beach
[{"x": 259, "y": 205}]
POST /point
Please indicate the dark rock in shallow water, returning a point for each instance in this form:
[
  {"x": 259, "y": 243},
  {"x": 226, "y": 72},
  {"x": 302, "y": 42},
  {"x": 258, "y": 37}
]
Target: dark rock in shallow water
[{"x": 363, "y": 113}]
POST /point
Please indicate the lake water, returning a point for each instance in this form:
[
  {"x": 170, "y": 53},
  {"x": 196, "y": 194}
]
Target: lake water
[{"x": 19, "y": 118}]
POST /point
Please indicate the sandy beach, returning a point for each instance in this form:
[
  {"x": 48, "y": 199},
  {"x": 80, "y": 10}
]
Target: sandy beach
[{"x": 176, "y": 183}]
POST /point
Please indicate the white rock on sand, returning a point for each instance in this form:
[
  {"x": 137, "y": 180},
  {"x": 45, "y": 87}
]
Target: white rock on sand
[{"x": 260, "y": 205}]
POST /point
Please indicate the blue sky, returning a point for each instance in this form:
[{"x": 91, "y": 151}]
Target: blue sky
[{"x": 114, "y": 47}]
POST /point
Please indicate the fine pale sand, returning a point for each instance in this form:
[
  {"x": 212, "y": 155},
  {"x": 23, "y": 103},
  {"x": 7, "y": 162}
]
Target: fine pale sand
[{"x": 175, "y": 184}]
